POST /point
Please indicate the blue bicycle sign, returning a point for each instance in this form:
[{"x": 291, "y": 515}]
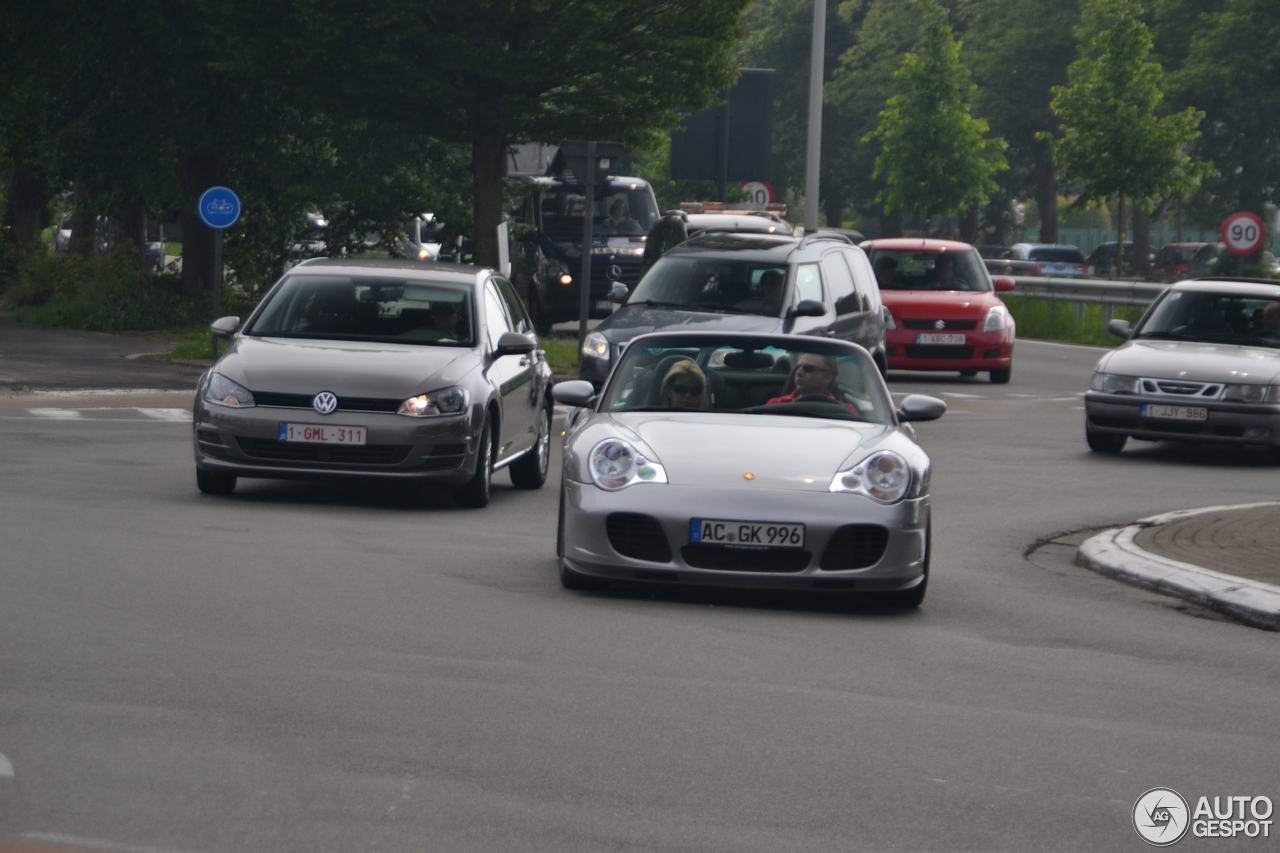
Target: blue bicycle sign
[{"x": 219, "y": 208}]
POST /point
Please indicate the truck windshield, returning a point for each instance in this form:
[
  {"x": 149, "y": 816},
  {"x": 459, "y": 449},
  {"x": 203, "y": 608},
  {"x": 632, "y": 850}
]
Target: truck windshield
[{"x": 624, "y": 209}]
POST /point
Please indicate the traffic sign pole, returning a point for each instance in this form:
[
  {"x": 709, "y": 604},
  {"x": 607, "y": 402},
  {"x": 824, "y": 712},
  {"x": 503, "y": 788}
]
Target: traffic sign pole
[{"x": 219, "y": 208}]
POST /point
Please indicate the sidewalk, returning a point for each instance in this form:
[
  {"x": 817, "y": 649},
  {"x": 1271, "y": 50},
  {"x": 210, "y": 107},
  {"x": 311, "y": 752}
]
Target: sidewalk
[{"x": 1226, "y": 558}]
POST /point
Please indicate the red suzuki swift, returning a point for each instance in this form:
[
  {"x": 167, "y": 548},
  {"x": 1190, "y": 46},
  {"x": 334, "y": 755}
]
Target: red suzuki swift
[{"x": 945, "y": 310}]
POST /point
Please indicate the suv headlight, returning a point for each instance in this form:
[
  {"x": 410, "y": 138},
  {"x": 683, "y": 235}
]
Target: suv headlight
[
  {"x": 1112, "y": 383},
  {"x": 446, "y": 401},
  {"x": 1252, "y": 393},
  {"x": 883, "y": 476},
  {"x": 997, "y": 319},
  {"x": 596, "y": 346},
  {"x": 615, "y": 464},
  {"x": 224, "y": 392}
]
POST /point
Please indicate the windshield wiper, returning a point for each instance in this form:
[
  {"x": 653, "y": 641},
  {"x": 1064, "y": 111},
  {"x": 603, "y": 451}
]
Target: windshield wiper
[
  {"x": 658, "y": 304},
  {"x": 1167, "y": 336},
  {"x": 717, "y": 306}
]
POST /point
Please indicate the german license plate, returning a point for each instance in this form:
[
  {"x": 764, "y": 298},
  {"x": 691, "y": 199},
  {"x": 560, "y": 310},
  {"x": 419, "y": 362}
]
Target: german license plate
[
  {"x": 931, "y": 338},
  {"x": 757, "y": 534},
  {"x": 318, "y": 434},
  {"x": 1175, "y": 413}
]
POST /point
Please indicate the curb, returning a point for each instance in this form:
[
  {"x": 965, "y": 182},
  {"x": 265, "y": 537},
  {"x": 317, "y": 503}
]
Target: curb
[{"x": 1115, "y": 553}]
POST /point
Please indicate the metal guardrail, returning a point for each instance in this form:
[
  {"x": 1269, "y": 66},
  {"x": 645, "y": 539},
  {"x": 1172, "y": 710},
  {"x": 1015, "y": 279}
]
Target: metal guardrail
[{"x": 1082, "y": 291}]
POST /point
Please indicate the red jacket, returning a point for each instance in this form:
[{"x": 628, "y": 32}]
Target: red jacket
[{"x": 791, "y": 398}]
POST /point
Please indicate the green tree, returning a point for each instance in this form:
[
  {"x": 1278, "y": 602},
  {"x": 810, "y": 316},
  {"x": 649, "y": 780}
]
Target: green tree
[
  {"x": 935, "y": 156},
  {"x": 1113, "y": 138}
]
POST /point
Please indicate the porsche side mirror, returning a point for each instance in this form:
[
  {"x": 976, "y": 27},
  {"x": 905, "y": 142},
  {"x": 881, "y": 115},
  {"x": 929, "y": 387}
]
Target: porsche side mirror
[
  {"x": 921, "y": 407},
  {"x": 575, "y": 392}
]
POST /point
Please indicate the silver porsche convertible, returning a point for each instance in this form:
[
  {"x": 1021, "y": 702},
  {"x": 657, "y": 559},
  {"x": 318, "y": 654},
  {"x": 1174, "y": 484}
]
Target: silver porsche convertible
[{"x": 746, "y": 460}]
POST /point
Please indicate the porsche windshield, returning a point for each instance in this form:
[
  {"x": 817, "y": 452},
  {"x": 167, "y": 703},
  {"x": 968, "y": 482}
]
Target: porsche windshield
[
  {"x": 690, "y": 376},
  {"x": 335, "y": 307}
]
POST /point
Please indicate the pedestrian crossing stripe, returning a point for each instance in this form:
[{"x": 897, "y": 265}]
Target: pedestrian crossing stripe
[{"x": 170, "y": 415}]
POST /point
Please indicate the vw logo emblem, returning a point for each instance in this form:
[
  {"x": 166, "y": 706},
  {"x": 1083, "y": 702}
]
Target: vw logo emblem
[
  {"x": 940, "y": 324},
  {"x": 325, "y": 402},
  {"x": 615, "y": 273}
]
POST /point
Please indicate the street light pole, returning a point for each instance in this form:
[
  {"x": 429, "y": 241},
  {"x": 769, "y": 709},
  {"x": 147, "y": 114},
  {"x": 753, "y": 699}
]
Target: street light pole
[{"x": 813, "y": 157}]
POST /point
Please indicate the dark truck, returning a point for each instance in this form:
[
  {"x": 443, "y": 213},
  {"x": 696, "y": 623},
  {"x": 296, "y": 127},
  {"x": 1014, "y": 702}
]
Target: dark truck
[{"x": 546, "y": 242}]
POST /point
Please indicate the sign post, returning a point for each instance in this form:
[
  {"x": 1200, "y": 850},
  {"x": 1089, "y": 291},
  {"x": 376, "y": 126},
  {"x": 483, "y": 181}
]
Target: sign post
[
  {"x": 219, "y": 208},
  {"x": 1243, "y": 233}
]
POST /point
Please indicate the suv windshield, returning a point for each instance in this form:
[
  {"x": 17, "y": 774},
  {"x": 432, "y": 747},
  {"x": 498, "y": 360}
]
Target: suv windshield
[
  {"x": 335, "y": 307},
  {"x": 623, "y": 210},
  {"x": 907, "y": 270},
  {"x": 1220, "y": 317},
  {"x": 713, "y": 284}
]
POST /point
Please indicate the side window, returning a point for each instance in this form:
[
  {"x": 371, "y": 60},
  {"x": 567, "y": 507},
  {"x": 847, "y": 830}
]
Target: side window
[
  {"x": 808, "y": 283},
  {"x": 864, "y": 280},
  {"x": 840, "y": 283},
  {"x": 496, "y": 321},
  {"x": 515, "y": 308}
]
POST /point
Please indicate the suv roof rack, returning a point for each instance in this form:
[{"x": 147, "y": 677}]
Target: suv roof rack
[{"x": 826, "y": 235}]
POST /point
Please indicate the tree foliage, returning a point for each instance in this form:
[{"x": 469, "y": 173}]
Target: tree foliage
[{"x": 935, "y": 157}]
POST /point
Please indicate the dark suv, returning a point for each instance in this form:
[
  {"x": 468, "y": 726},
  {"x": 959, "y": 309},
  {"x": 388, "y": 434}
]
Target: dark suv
[
  {"x": 820, "y": 284},
  {"x": 546, "y": 255}
]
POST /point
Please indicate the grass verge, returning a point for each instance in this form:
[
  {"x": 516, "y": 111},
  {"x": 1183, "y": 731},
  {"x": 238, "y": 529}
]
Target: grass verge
[{"x": 1067, "y": 322}]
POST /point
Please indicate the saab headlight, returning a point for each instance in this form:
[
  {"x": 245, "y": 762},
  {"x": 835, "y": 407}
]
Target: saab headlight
[
  {"x": 997, "y": 319},
  {"x": 1252, "y": 393},
  {"x": 446, "y": 401},
  {"x": 224, "y": 392},
  {"x": 1112, "y": 383},
  {"x": 596, "y": 346},
  {"x": 883, "y": 476},
  {"x": 615, "y": 464}
]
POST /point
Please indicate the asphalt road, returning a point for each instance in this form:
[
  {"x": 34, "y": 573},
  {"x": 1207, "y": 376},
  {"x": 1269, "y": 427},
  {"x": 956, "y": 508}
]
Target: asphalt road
[{"x": 316, "y": 668}]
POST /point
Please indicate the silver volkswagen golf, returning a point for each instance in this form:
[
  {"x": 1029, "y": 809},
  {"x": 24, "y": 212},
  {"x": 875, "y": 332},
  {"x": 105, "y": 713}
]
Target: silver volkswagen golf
[
  {"x": 1202, "y": 365},
  {"x": 378, "y": 369},
  {"x": 751, "y": 460}
]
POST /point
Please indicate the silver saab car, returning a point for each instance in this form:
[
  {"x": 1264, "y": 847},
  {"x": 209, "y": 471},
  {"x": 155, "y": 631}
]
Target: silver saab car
[
  {"x": 748, "y": 460},
  {"x": 1202, "y": 365},
  {"x": 383, "y": 369}
]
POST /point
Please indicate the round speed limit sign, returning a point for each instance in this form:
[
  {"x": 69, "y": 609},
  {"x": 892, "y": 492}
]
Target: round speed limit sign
[{"x": 1243, "y": 233}]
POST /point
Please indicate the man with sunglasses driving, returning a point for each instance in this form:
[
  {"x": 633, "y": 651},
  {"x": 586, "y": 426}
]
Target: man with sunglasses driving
[{"x": 815, "y": 377}]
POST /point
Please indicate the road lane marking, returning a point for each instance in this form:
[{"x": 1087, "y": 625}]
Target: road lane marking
[
  {"x": 59, "y": 414},
  {"x": 182, "y": 415},
  {"x": 90, "y": 843},
  {"x": 6, "y": 768}
]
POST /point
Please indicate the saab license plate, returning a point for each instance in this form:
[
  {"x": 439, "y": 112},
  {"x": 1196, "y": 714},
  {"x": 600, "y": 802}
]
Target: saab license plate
[
  {"x": 317, "y": 434},
  {"x": 758, "y": 534},
  {"x": 1175, "y": 413},
  {"x": 932, "y": 338}
]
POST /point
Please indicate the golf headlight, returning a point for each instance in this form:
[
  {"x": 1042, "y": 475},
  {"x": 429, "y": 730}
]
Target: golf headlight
[
  {"x": 446, "y": 401},
  {"x": 595, "y": 346},
  {"x": 224, "y": 392},
  {"x": 1112, "y": 383},
  {"x": 883, "y": 476},
  {"x": 615, "y": 464},
  {"x": 1252, "y": 393},
  {"x": 997, "y": 319}
]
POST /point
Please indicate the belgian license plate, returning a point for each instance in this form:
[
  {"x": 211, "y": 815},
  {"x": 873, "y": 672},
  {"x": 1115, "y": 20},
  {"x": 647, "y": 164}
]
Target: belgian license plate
[
  {"x": 931, "y": 338},
  {"x": 757, "y": 534},
  {"x": 318, "y": 434},
  {"x": 1175, "y": 413}
]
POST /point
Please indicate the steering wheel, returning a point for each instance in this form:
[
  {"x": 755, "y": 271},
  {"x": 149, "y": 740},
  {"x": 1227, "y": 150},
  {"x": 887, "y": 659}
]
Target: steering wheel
[{"x": 813, "y": 398}]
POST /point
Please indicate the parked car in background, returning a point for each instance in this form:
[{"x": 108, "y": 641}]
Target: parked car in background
[
  {"x": 1102, "y": 260},
  {"x": 421, "y": 239},
  {"x": 746, "y": 460},
  {"x": 1211, "y": 258},
  {"x": 1010, "y": 267},
  {"x": 1173, "y": 261},
  {"x": 1202, "y": 365},
  {"x": 946, "y": 314},
  {"x": 820, "y": 284},
  {"x": 390, "y": 370},
  {"x": 1052, "y": 259},
  {"x": 62, "y": 235}
]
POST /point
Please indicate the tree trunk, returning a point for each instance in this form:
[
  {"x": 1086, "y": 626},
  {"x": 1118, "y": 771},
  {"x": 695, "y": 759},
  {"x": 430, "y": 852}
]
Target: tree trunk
[
  {"x": 133, "y": 227},
  {"x": 1046, "y": 179},
  {"x": 1141, "y": 241},
  {"x": 488, "y": 150},
  {"x": 84, "y": 224},
  {"x": 1119, "y": 264},
  {"x": 28, "y": 193},
  {"x": 835, "y": 212},
  {"x": 969, "y": 225},
  {"x": 196, "y": 173}
]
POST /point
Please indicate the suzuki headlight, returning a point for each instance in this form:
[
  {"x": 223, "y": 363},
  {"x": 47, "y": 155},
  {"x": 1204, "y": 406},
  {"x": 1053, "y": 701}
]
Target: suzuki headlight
[
  {"x": 883, "y": 476},
  {"x": 224, "y": 392},
  {"x": 596, "y": 346},
  {"x": 615, "y": 464},
  {"x": 1252, "y": 393},
  {"x": 1112, "y": 383},
  {"x": 446, "y": 401},
  {"x": 997, "y": 319}
]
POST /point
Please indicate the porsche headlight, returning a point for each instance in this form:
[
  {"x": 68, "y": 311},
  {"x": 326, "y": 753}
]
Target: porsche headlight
[
  {"x": 596, "y": 346},
  {"x": 224, "y": 392},
  {"x": 446, "y": 401},
  {"x": 1252, "y": 393},
  {"x": 883, "y": 476},
  {"x": 615, "y": 464},
  {"x": 997, "y": 319},
  {"x": 1112, "y": 383}
]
